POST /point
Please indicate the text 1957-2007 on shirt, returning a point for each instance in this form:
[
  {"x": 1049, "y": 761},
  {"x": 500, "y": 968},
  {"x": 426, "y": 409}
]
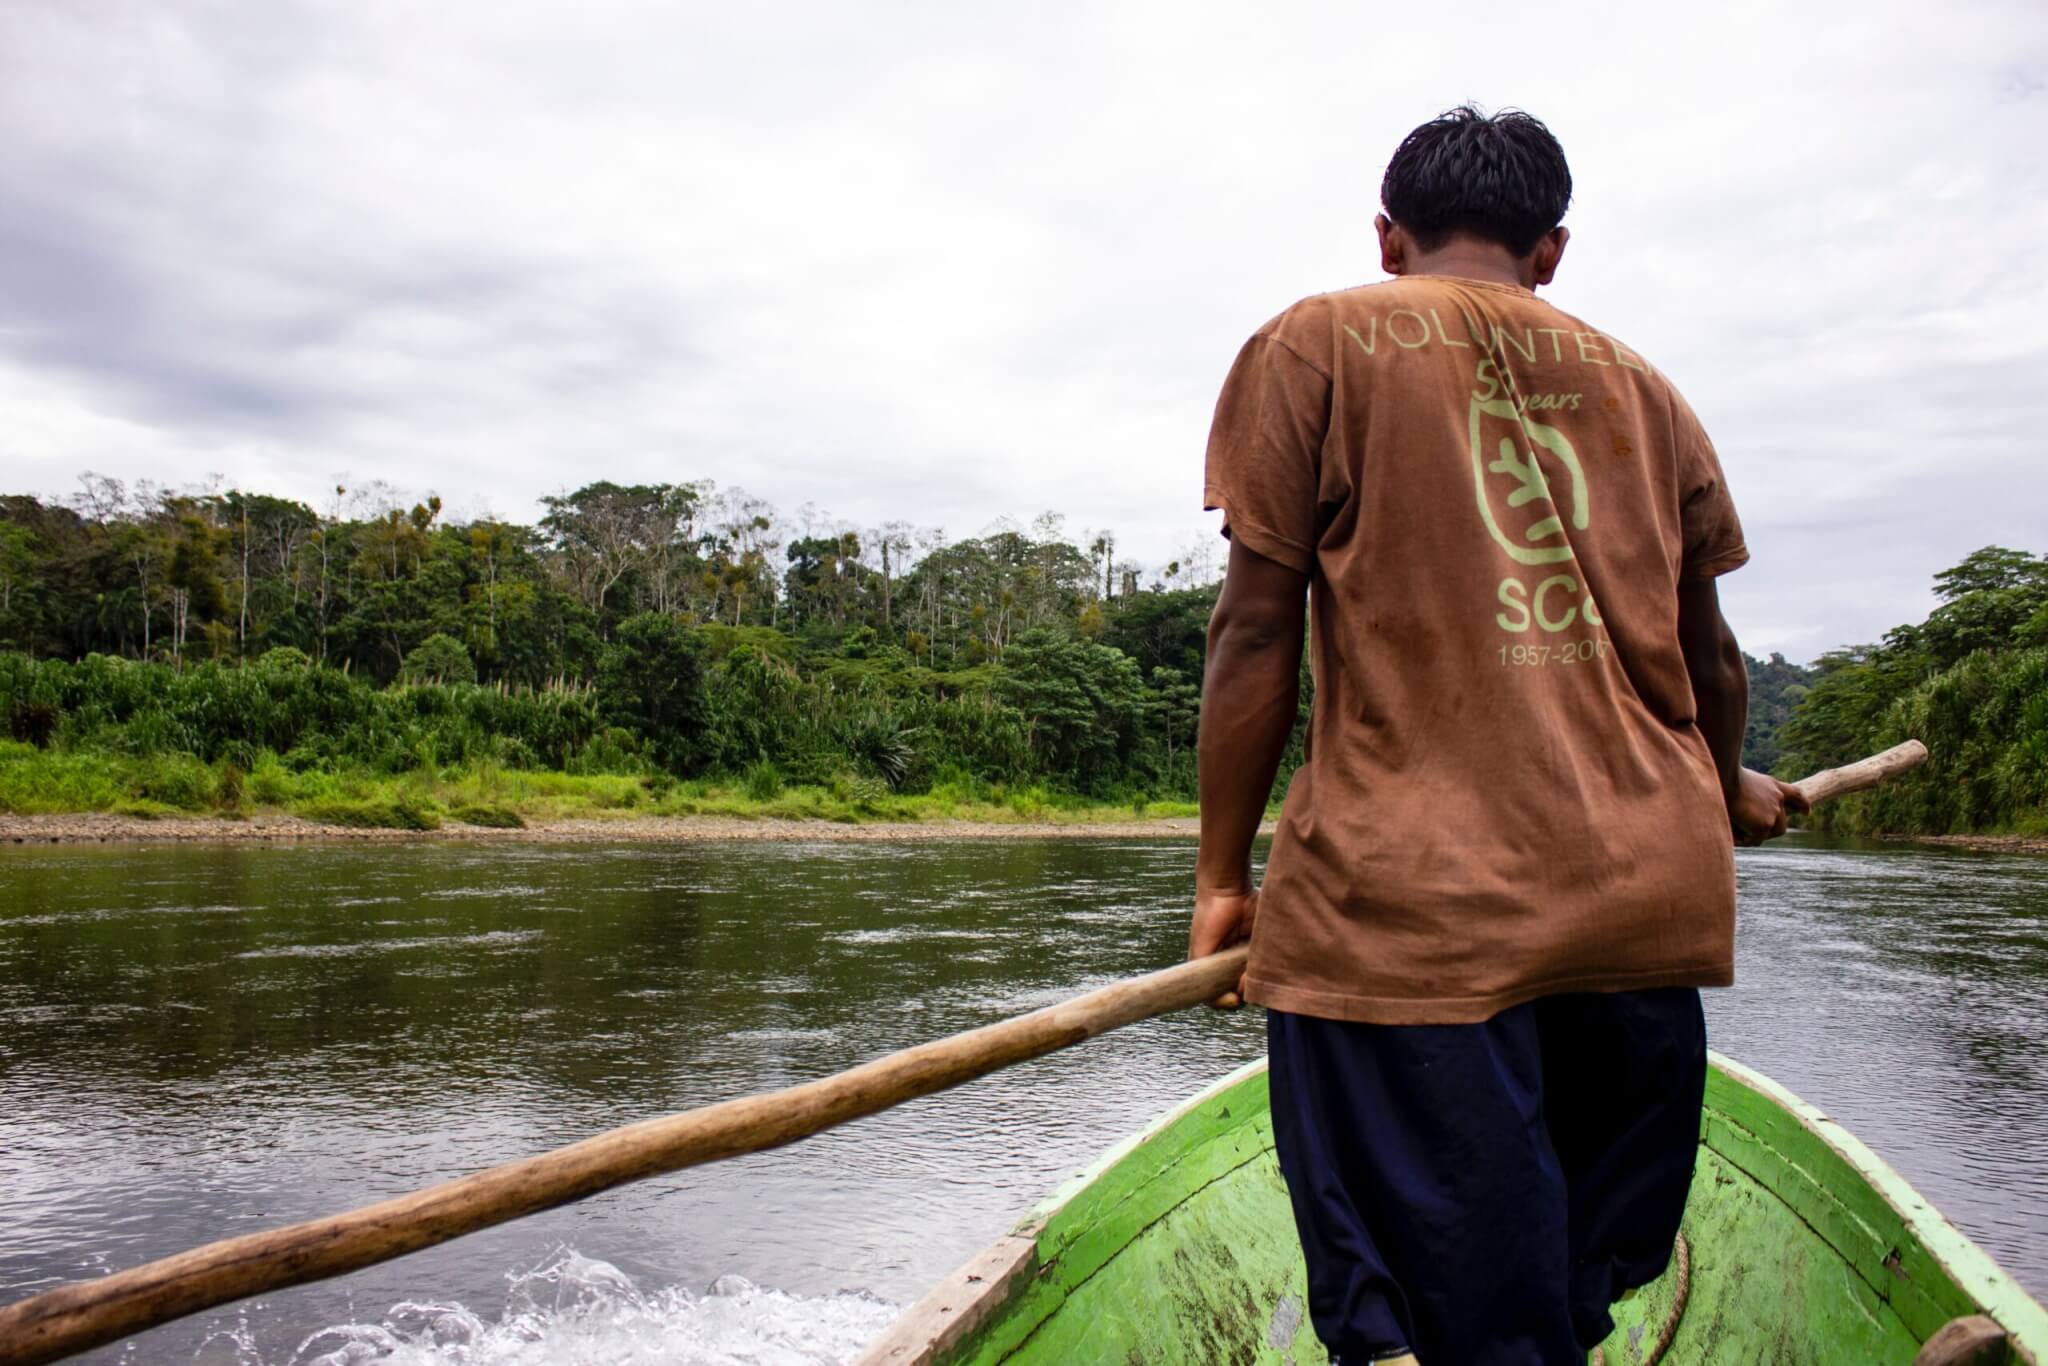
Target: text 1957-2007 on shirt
[{"x": 1567, "y": 652}]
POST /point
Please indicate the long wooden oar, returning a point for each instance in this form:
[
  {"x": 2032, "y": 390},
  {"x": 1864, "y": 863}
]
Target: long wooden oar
[{"x": 86, "y": 1314}]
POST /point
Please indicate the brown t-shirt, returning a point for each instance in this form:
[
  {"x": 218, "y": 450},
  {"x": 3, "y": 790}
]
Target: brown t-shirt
[{"x": 1506, "y": 794}]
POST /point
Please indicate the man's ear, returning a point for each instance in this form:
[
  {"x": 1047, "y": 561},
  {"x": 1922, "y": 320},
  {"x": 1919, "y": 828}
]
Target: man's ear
[
  {"x": 1549, "y": 251},
  {"x": 1393, "y": 246}
]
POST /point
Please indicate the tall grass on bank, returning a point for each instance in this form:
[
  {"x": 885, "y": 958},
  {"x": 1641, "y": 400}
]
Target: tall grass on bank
[
  {"x": 49, "y": 782},
  {"x": 282, "y": 703},
  {"x": 656, "y": 706}
]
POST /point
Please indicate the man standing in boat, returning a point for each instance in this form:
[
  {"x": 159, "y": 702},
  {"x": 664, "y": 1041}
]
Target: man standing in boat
[{"x": 1506, "y": 867}]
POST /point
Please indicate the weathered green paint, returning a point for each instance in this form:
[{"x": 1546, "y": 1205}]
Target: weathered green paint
[
  {"x": 1179, "y": 1246},
  {"x": 1869, "y": 1213}
]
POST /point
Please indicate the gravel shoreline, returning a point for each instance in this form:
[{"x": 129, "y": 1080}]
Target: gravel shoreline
[
  {"x": 276, "y": 828},
  {"x": 1989, "y": 844}
]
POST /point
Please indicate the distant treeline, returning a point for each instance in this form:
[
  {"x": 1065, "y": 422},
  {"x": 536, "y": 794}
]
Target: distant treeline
[
  {"x": 655, "y": 627},
  {"x": 674, "y": 629},
  {"x": 1775, "y": 688}
]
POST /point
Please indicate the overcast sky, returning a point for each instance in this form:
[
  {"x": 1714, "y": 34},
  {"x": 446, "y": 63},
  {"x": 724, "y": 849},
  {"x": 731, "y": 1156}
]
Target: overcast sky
[{"x": 945, "y": 262}]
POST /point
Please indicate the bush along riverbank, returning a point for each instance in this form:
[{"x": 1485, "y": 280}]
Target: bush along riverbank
[{"x": 677, "y": 721}]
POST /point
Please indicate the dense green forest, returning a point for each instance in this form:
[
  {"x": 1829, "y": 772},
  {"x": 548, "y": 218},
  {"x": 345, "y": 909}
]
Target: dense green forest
[
  {"x": 1971, "y": 681},
  {"x": 1775, "y": 689},
  {"x": 671, "y": 632},
  {"x": 668, "y": 647}
]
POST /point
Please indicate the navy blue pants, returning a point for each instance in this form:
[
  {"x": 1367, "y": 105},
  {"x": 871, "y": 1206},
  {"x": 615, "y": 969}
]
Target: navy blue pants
[{"x": 1480, "y": 1194}]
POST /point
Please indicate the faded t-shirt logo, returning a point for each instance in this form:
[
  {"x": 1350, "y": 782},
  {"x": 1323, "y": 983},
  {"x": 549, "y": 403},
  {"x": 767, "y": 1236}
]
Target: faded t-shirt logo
[
  {"x": 1530, "y": 512},
  {"x": 1529, "y": 534},
  {"x": 1528, "y": 479}
]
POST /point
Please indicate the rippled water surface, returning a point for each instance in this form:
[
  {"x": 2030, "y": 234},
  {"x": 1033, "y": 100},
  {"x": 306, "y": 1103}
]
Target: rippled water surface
[{"x": 197, "y": 1042}]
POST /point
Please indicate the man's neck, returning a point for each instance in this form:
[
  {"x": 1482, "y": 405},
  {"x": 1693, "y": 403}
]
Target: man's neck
[{"x": 1474, "y": 261}]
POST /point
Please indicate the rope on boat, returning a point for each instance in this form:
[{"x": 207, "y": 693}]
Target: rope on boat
[
  {"x": 1682, "y": 1254},
  {"x": 1678, "y": 1299}
]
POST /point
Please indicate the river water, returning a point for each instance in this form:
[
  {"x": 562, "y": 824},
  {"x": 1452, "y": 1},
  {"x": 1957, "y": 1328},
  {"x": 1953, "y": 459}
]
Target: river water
[{"x": 202, "y": 1041}]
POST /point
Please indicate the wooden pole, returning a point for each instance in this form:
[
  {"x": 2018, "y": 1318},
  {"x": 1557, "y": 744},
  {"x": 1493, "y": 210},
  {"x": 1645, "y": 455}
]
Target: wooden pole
[
  {"x": 86, "y": 1314},
  {"x": 1863, "y": 773}
]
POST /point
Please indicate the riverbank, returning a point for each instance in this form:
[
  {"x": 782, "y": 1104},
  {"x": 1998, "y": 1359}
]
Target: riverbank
[
  {"x": 1095, "y": 822},
  {"x": 282, "y": 828},
  {"x": 1987, "y": 844}
]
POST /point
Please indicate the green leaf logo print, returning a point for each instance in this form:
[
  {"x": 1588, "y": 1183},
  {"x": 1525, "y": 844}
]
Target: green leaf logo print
[{"x": 1513, "y": 467}]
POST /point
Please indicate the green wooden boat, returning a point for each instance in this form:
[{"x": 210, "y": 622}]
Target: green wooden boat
[{"x": 1799, "y": 1246}]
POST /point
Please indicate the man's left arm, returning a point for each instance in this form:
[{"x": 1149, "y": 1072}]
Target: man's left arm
[{"x": 1250, "y": 696}]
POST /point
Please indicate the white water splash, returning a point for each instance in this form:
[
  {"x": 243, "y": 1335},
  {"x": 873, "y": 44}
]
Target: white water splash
[{"x": 581, "y": 1311}]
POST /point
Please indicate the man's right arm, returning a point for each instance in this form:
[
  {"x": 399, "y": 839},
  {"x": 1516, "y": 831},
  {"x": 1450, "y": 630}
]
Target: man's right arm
[
  {"x": 1757, "y": 802},
  {"x": 1250, "y": 692}
]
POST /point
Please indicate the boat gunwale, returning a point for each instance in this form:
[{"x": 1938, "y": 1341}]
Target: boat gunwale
[
  {"x": 1042, "y": 1213},
  {"x": 961, "y": 1301}
]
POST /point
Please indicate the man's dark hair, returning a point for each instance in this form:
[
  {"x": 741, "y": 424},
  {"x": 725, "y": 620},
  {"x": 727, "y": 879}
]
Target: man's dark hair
[{"x": 1501, "y": 177}]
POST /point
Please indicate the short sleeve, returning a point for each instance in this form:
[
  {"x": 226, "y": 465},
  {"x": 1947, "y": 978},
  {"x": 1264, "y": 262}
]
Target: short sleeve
[
  {"x": 1265, "y": 452},
  {"x": 1706, "y": 515}
]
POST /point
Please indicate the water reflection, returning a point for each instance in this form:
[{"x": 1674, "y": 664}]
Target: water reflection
[
  {"x": 1906, "y": 991},
  {"x": 196, "y": 1042}
]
